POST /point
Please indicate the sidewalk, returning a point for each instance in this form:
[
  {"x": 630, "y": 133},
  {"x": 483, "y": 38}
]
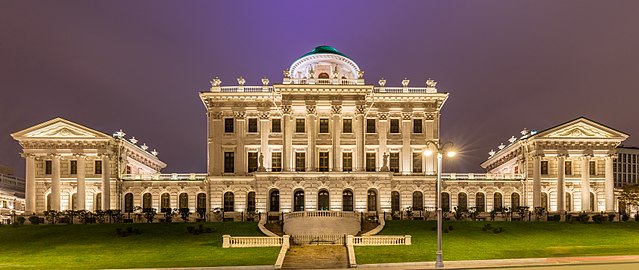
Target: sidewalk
[{"x": 475, "y": 264}]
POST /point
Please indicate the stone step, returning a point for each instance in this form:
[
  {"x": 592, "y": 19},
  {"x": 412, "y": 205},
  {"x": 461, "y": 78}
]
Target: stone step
[{"x": 316, "y": 257}]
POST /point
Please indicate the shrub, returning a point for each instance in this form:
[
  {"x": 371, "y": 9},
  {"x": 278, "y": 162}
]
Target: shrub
[
  {"x": 625, "y": 217},
  {"x": 596, "y": 218},
  {"x": 21, "y": 220},
  {"x": 611, "y": 217},
  {"x": 584, "y": 218},
  {"x": 35, "y": 220},
  {"x": 555, "y": 217}
]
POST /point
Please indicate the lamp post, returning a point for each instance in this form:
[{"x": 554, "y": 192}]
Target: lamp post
[{"x": 440, "y": 147}]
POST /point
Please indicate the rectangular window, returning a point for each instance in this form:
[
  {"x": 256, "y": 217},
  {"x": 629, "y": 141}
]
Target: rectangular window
[
  {"x": 568, "y": 167},
  {"x": 323, "y": 161},
  {"x": 128, "y": 170},
  {"x": 417, "y": 126},
  {"x": 394, "y": 162},
  {"x": 276, "y": 125},
  {"x": 47, "y": 166},
  {"x": 98, "y": 167},
  {"x": 593, "y": 167},
  {"x": 544, "y": 167},
  {"x": 394, "y": 126},
  {"x": 73, "y": 167},
  {"x": 323, "y": 125},
  {"x": 370, "y": 161},
  {"x": 252, "y": 162},
  {"x": 347, "y": 161},
  {"x": 300, "y": 125},
  {"x": 252, "y": 125},
  {"x": 347, "y": 125},
  {"x": 417, "y": 162},
  {"x": 300, "y": 161},
  {"x": 370, "y": 125},
  {"x": 229, "y": 162},
  {"x": 228, "y": 125},
  {"x": 276, "y": 160}
]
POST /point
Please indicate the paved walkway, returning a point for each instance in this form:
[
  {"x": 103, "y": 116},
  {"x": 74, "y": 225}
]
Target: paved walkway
[
  {"x": 505, "y": 263},
  {"x": 316, "y": 257}
]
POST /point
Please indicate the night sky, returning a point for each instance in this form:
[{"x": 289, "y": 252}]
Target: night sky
[{"x": 139, "y": 65}]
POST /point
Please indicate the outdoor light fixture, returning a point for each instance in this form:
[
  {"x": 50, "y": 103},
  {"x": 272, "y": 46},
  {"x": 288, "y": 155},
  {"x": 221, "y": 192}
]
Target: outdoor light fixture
[{"x": 440, "y": 147}]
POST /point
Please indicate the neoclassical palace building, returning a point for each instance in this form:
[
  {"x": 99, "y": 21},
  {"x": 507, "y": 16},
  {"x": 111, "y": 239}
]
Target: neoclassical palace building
[{"x": 322, "y": 140}]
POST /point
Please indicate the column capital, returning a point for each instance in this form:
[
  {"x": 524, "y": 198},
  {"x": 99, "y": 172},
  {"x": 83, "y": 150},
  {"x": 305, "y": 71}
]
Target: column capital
[
  {"x": 610, "y": 156},
  {"x": 27, "y": 155},
  {"x": 336, "y": 109},
  {"x": 265, "y": 115},
  {"x": 239, "y": 115},
  {"x": 360, "y": 109},
  {"x": 407, "y": 116},
  {"x": 383, "y": 116},
  {"x": 311, "y": 109},
  {"x": 287, "y": 110},
  {"x": 215, "y": 115}
]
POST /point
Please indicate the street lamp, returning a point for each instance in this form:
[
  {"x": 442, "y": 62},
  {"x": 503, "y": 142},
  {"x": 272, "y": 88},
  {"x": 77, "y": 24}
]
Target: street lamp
[{"x": 440, "y": 147}]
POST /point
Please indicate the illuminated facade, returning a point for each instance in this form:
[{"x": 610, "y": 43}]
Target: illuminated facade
[{"x": 322, "y": 140}]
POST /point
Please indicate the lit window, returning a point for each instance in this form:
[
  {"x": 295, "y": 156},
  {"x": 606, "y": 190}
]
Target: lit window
[
  {"x": 300, "y": 125},
  {"x": 323, "y": 161},
  {"x": 323, "y": 125},
  {"x": 347, "y": 125},
  {"x": 276, "y": 160},
  {"x": 347, "y": 161}
]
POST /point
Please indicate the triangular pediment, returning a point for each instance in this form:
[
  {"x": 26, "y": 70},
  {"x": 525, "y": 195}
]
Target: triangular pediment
[
  {"x": 582, "y": 128},
  {"x": 59, "y": 128}
]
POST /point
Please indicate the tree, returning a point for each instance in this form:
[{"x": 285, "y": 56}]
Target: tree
[{"x": 630, "y": 196}]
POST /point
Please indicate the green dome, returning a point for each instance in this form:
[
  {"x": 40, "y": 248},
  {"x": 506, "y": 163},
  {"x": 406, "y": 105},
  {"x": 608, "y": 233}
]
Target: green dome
[{"x": 324, "y": 49}]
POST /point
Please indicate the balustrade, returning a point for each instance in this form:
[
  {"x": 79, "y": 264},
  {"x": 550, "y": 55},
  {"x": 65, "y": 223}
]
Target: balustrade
[
  {"x": 251, "y": 241},
  {"x": 386, "y": 240}
]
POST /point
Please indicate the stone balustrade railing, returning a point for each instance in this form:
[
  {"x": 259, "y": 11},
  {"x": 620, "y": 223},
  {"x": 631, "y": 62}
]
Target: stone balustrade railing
[
  {"x": 327, "y": 239},
  {"x": 166, "y": 177},
  {"x": 247, "y": 89},
  {"x": 483, "y": 176},
  {"x": 414, "y": 90},
  {"x": 252, "y": 241},
  {"x": 323, "y": 81},
  {"x": 322, "y": 214},
  {"x": 382, "y": 240}
]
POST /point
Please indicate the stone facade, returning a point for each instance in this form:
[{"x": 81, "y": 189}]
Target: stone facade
[{"x": 324, "y": 140}]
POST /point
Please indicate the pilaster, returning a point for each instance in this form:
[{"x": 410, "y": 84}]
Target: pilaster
[
  {"x": 407, "y": 152},
  {"x": 537, "y": 180},
  {"x": 585, "y": 183},
  {"x": 81, "y": 181},
  {"x": 336, "y": 133},
  {"x": 311, "y": 132},
  {"x": 359, "y": 137},
  {"x": 561, "y": 175},
  {"x": 609, "y": 184},
  {"x": 106, "y": 183},
  {"x": 55, "y": 182},
  {"x": 287, "y": 138}
]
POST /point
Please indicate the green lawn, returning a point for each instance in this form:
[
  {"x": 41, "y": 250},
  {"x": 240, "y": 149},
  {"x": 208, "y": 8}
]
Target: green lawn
[
  {"x": 98, "y": 246},
  {"x": 467, "y": 241}
]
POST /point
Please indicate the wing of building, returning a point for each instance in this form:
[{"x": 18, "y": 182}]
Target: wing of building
[{"x": 322, "y": 140}]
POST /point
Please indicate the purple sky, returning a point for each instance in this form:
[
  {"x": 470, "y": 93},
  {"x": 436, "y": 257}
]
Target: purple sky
[{"x": 138, "y": 65}]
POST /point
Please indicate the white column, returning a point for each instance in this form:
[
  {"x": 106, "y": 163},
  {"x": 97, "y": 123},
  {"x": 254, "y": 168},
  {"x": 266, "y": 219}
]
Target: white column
[
  {"x": 106, "y": 183},
  {"x": 336, "y": 134},
  {"x": 265, "y": 130},
  {"x": 55, "y": 183},
  {"x": 30, "y": 186},
  {"x": 240, "y": 131},
  {"x": 360, "y": 130},
  {"x": 287, "y": 138},
  {"x": 311, "y": 133},
  {"x": 585, "y": 183},
  {"x": 536, "y": 181},
  {"x": 81, "y": 194},
  {"x": 382, "y": 134},
  {"x": 215, "y": 153},
  {"x": 609, "y": 185},
  {"x": 561, "y": 171},
  {"x": 407, "y": 152}
]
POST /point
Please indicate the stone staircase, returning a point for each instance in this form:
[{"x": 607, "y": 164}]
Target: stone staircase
[{"x": 316, "y": 257}]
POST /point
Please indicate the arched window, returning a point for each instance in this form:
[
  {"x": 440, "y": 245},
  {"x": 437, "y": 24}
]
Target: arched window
[
  {"x": 445, "y": 202},
  {"x": 568, "y": 202},
  {"x": 165, "y": 202},
  {"x": 462, "y": 201},
  {"x": 201, "y": 201},
  {"x": 147, "y": 202},
  {"x": 544, "y": 200},
  {"x": 347, "y": 200},
  {"x": 97, "y": 204},
  {"x": 183, "y": 200},
  {"x": 514, "y": 200},
  {"x": 323, "y": 200},
  {"x": 395, "y": 201},
  {"x": 74, "y": 201},
  {"x": 323, "y": 75},
  {"x": 593, "y": 205},
  {"x": 229, "y": 202},
  {"x": 250, "y": 202},
  {"x": 372, "y": 200},
  {"x": 274, "y": 201},
  {"x": 128, "y": 203},
  {"x": 49, "y": 202},
  {"x": 480, "y": 202},
  {"x": 418, "y": 201},
  {"x": 298, "y": 201},
  {"x": 497, "y": 201}
]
